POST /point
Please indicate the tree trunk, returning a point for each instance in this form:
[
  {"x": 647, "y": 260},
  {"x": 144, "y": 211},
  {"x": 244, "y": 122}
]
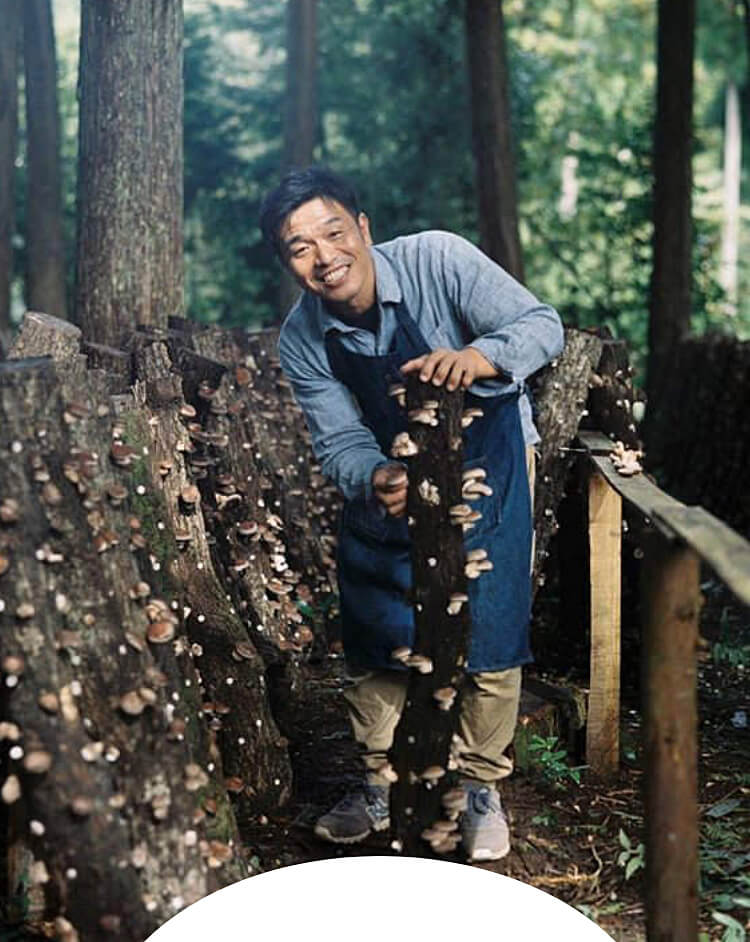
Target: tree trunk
[
  {"x": 45, "y": 264},
  {"x": 669, "y": 316},
  {"x": 301, "y": 106},
  {"x": 9, "y": 35},
  {"x": 730, "y": 233},
  {"x": 492, "y": 134},
  {"x": 129, "y": 248},
  {"x": 118, "y": 811}
]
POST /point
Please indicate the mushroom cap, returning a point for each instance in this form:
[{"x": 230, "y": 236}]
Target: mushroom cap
[
  {"x": 400, "y": 654},
  {"x": 160, "y": 632}
]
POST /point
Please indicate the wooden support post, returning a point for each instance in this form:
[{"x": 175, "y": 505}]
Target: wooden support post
[
  {"x": 605, "y": 537},
  {"x": 671, "y": 606}
]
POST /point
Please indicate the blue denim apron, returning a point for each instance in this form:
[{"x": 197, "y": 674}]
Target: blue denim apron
[{"x": 374, "y": 567}]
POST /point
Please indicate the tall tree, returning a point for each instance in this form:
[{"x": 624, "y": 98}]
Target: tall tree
[
  {"x": 301, "y": 112},
  {"x": 492, "y": 133},
  {"x": 129, "y": 248},
  {"x": 301, "y": 106},
  {"x": 9, "y": 34},
  {"x": 730, "y": 232},
  {"x": 670, "y": 300},
  {"x": 45, "y": 253}
]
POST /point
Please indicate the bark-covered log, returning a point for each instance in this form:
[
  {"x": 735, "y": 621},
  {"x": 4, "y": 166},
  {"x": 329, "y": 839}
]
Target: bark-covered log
[
  {"x": 420, "y": 755},
  {"x": 254, "y": 754},
  {"x": 561, "y": 394},
  {"x": 106, "y": 787}
]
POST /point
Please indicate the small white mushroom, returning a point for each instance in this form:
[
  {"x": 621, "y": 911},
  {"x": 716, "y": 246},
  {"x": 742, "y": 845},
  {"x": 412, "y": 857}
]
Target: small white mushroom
[
  {"x": 468, "y": 416},
  {"x": 474, "y": 570},
  {"x": 456, "y": 602},
  {"x": 445, "y": 697},
  {"x": 423, "y": 417},
  {"x": 454, "y": 800},
  {"x": 474, "y": 489},
  {"x": 387, "y": 772},
  {"x": 432, "y": 773},
  {"x": 429, "y": 492},
  {"x": 420, "y": 662},
  {"x": 401, "y": 654},
  {"x": 403, "y": 446},
  {"x": 398, "y": 392},
  {"x": 11, "y": 790}
]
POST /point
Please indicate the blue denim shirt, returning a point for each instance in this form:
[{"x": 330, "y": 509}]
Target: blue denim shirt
[{"x": 458, "y": 297}]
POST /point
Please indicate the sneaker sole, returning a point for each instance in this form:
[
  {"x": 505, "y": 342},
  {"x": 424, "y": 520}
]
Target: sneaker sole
[
  {"x": 482, "y": 854},
  {"x": 326, "y": 835}
]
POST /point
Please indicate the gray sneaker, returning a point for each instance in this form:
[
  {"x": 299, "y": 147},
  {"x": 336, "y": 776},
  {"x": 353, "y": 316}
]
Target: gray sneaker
[
  {"x": 358, "y": 813},
  {"x": 484, "y": 827}
]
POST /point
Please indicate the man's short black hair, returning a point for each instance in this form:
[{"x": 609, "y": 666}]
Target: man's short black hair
[{"x": 298, "y": 187}]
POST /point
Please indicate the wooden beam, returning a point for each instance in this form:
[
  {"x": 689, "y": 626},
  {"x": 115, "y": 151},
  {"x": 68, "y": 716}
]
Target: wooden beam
[
  {"x": 725, "y": 551},
  {"x": 671, "y": 606},
  {"x": 605, "y": 538},
  {"x": 717, "y": 544}
]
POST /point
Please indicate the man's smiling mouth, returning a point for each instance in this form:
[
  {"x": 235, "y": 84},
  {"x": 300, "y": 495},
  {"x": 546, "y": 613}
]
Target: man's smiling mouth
[{"x": 335, "y": 275}]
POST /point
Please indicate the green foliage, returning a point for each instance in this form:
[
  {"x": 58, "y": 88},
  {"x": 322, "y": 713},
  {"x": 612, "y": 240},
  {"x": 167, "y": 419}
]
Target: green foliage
[
  {"x": 631, "y": 857},
  {"x": 546, "y": 754},
  {"x": 394, "y": 115}
]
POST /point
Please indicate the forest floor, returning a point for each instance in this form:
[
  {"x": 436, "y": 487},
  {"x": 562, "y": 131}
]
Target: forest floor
[{"x": 579, "y": 841}]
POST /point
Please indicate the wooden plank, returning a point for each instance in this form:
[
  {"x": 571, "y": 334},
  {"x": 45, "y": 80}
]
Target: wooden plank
[
  {"x": 717, "y": 544},
  {"x": 638, "y": 490},
  {"x": 671, "y": 606},
  {"x": 605, "y": 539},
  {"x": 725, "y": 551}
]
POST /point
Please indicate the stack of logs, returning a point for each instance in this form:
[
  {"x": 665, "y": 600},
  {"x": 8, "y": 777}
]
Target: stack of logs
[{"x": 166, "y": 557}]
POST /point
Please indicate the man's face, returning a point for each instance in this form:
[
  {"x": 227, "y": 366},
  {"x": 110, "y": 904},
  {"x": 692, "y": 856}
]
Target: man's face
[{"x": 327, "y": 251}]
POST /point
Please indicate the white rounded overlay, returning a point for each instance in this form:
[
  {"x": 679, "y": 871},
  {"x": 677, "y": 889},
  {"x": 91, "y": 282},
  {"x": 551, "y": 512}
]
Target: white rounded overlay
[{"x": 379, "y": 899}]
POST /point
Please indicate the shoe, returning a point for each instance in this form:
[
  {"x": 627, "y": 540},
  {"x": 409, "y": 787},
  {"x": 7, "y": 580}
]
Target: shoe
[
  {"x": 358, "y": 813},
  {"x": 484, "y": 828}
]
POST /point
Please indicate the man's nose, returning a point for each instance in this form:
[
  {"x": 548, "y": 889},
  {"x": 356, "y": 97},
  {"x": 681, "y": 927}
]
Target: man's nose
[{"x": 325, "y": 252}]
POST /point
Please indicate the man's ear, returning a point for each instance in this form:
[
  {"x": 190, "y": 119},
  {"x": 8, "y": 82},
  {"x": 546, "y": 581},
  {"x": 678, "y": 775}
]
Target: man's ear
[{"x": 364, "y": 227}]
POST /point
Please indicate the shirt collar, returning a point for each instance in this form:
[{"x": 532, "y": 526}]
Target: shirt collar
[{"x": 387, "y": 291}]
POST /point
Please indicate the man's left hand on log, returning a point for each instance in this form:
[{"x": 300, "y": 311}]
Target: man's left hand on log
[
  {"x": 390, "y": 483},
  {"x": 451, "y": 368}
]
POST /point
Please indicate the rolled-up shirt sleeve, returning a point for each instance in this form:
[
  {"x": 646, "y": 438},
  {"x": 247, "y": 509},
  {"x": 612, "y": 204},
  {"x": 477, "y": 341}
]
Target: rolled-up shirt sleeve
[
  {"x": 500, "y": 317},
  {"x": 345, "y": 447}
]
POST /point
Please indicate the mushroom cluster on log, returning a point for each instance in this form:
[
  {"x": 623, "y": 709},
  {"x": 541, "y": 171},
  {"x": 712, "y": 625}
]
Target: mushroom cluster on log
[{"x": 166, "y": 564}]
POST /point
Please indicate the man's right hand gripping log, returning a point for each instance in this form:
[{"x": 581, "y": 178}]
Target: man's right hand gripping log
[{"x": 368, "y": 315}]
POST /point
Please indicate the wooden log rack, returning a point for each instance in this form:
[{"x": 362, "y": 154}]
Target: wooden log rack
[{"x": 676, "y": 539}]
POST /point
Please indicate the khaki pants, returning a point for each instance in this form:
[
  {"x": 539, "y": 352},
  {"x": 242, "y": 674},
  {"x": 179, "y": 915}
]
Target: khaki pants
[{"x": 487, "y": 722}]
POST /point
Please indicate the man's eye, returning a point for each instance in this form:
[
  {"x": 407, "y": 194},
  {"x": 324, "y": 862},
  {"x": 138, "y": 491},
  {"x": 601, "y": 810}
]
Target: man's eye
[
  {"x": 300, "y": 252},
  {"x": 336, "y": 234}
]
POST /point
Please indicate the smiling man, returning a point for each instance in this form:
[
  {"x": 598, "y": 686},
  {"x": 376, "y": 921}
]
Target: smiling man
[{"x": 368, "y": 315}]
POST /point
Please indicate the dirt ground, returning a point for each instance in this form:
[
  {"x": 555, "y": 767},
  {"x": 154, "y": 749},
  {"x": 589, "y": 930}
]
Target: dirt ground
[{"x": 569, "y": 839}]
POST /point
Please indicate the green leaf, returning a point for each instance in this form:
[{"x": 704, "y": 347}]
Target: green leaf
[
  {"x": 735, "y": 931},
  {"x": 723, "y": 807},
  {"x": 635, "y": 863},
  {"x": 624, "y": 840}
]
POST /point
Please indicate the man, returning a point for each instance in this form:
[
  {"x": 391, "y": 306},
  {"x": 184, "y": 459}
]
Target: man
[{"x": 429, "y": 303}]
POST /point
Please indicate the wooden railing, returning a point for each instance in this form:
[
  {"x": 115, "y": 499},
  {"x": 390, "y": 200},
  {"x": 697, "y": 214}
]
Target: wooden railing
[{"x": 674, "y": 540}]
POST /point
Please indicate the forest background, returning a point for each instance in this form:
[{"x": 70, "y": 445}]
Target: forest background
[{"x": 393, "y": 113}]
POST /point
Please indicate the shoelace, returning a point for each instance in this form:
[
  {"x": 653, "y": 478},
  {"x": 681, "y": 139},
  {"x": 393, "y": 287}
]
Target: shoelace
[{"x": 481, "y": 801}]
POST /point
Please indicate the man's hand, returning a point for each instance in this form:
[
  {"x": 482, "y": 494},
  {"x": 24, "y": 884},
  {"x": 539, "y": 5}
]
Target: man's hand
[
  {"x": 389, "y": 484},
  {"x": 452, "y": 368}
]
